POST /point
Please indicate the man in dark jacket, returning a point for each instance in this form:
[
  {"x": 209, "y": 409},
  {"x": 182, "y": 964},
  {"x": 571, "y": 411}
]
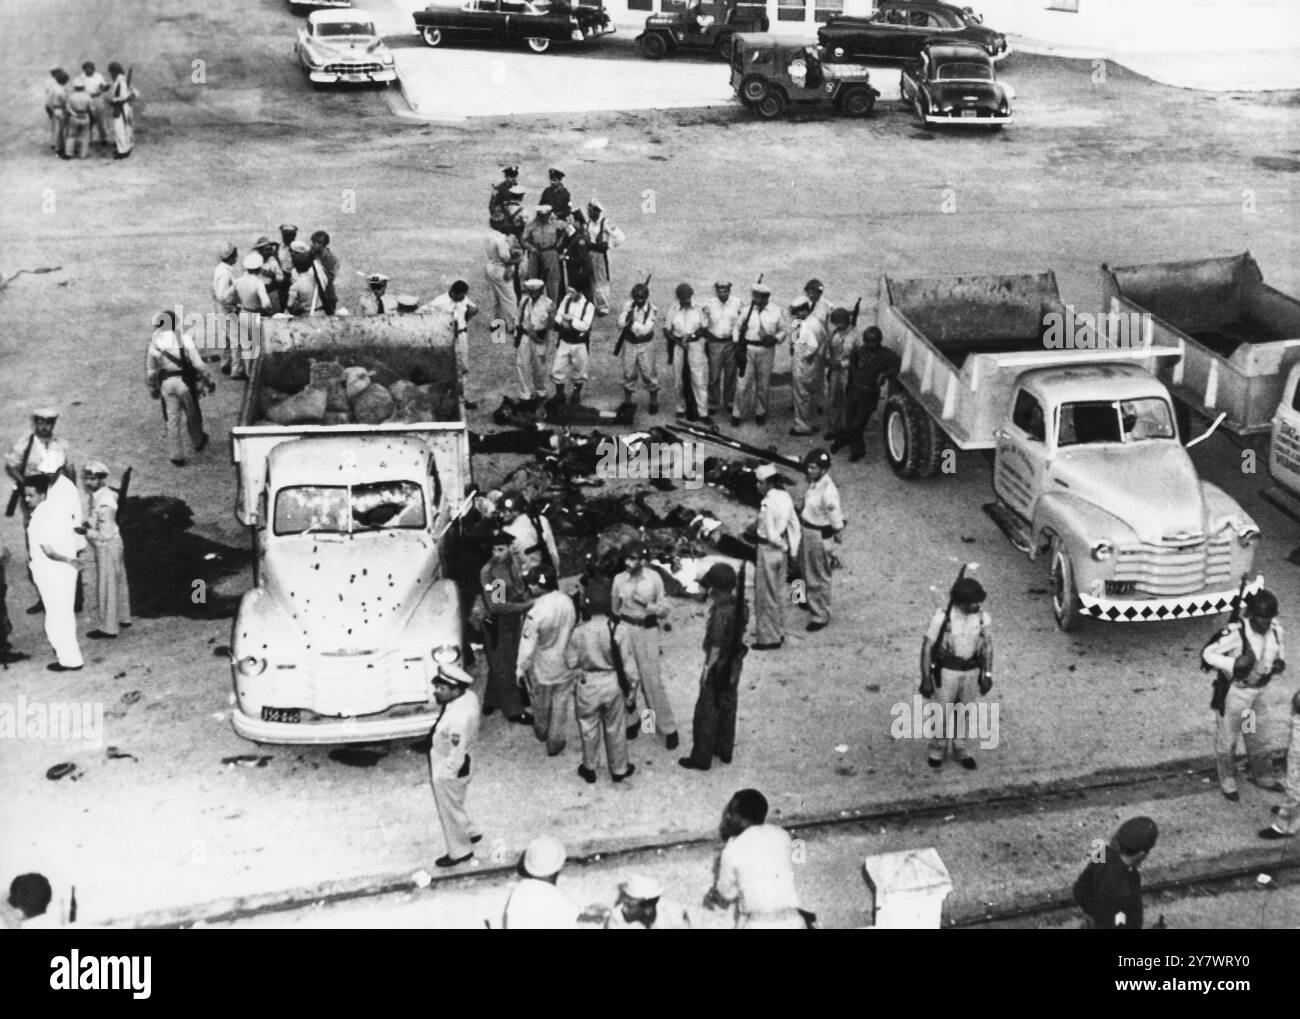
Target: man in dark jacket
[
  {"x": 1109, "y": 891},
  {"x": 714, "y": 728},
  {"x": 870, "y": 364}
]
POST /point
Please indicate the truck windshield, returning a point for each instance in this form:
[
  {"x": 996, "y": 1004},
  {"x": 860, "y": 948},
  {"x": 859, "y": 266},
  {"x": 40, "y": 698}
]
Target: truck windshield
[
  {"x": 320, "y": 509},
  {"x": 1115, "y": 421}
]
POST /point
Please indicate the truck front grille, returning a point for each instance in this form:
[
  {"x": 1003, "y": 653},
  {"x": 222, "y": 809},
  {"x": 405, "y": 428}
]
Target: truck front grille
[
  {"x": 353, "y": 68},
  {"x": 1162, "y": 571},
  {"x": 346, "y": 685}
]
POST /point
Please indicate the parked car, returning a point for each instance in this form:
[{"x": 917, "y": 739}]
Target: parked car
[
  {"x": 536, "y": 22},
  {"x": 343, "y": 46},
  {"x": 303, "y": 6},
  {"x": 956, "y": 85},
  {"x": 769, "y": 73},
  {"x": 900, "y": 28},
  {"x": 703, "y": 26}
]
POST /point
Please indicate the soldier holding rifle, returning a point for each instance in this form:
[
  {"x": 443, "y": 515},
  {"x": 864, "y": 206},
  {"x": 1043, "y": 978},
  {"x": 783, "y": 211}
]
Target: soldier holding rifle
[
  {"x": 957, "y": 663},
  {"x": 636, "y": 330},
  {"x": 758, "y": 330}
]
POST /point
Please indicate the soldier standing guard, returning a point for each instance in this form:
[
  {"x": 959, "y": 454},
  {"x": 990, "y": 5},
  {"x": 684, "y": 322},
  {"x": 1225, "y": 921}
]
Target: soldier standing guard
[
  {"x": 758, "y": 330},
  {"x": 602, "y": 237},
  {"x": 451, "y": 313},
  {"x": 1250, "y": 652},
  {"x": 77, "y": 128},
  {"x": 375, "y": 302},
  {"x": 840, "y": 347},
  {"x": 636, "y": 330},
  {"x": 501, "y": 269},
  {"x": 541, "y": 240},
  {"x": 556, "y": 195},
  {"x": 450, "y": 764},
  {"x": 225, "y": 305},
  {"x": 685, "y": 327},
  {"x": 870, "y": 364},
  {"x": 113, "y": 601},
  {"x": 540, "y": 668},
  {"x": 957, "y": 664},
  {"x": 807, "y": 338},
  {"x": 531, "y": 336},
  {"x": 778, "y": 543},
  {"x": 573, "y": 320},
  {"x": 169, "y": 360},
  {"x": 534, "y": 541},
  {"x": 56, "y": 106},
  {"x": 271, "y": 272},
  {"x": 713, "y": 730},
  {"x": 719, "y": 316},
  {"x": 821, "y": 518},
  {"x": 602, "y": 651},
  {"x": 637, "y": 599},
  {"x": 505, "y": 600}
]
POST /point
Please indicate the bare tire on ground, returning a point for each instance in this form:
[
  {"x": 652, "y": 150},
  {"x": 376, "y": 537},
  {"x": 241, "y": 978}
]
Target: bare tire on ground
[
  {"x": 904, "y": 433},
  {"x": 771, "y": 105},
  {"x": 653, "y": 45},
  {"x": 858, "y": 102},
  {"x": 753, "y": 89},
  {"x": 1065, "y": 592},
  {"x": 539, "y": 45},
  {"x": 431, "y": 36}
]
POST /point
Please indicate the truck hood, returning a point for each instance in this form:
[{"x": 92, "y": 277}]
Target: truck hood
[
  {"x": 351, "y": 593},
  {"x": 1152, "y": 487}
]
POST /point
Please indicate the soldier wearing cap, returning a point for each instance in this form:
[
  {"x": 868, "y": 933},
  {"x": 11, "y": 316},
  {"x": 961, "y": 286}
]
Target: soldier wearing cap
[
  {"x": 607, "y": 679},
  {"x": 76, "y": 131},
  {"x": 450, "y": 765},
  {"x": 759, "y": 328},
  {"x": 556, "y": 195},
  {"x": 807, "y": 342},
  {"x": 225, "y": 304},
  {"x": 503, "y": 254},
  {"x": 1109, "y": 891},
  {"x": 821, "y": 519},
  {"x": 541, "y": 668},
  {"x": 870, "y": 365},
  {"x": 641, "y": 906},
  {"x": 535, "y": 903},
  {"x": 534, "y": 541},
  {"x": 778, "y": 543},
  {"x": 685, "y": 327},
  {"x": 501, "y": 190},
  {"x": 271, "y": 272},
  {"x": 637, "y": 598},
  {"x": 56, "y": 107},
  {"x": 601, "y": 235},
  {"x": 541, "y": 241},
  {"x": 532, "y": 334},
  {"x": 168, "y": 360},
  {"x": 640, "y": 361},
  {"x": 375, "y": 302},
  {"x": 1250, "y": 652},
  {"x": 960, "y": 643},
  {"x": 505, "y": 600},
  {"x": 251, "y": 293},
  {"x": 818, "y": 307},
  {"x": 407, "y": 304},
  {"x": 307, "y": 282},
  {"x": 720, "y": 315},
  {"x": 713, "y": 729},
  {"x": 573, "y": 318},
  {"x": 113, "y": 601}
]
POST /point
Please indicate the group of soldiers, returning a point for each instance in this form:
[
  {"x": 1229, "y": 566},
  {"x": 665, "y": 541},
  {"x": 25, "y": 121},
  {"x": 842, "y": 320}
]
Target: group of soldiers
[{"x": 81, "y": 109}]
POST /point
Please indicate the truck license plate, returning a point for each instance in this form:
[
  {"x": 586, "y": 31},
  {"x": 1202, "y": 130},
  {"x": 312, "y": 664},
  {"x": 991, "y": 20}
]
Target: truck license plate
[
  {"x": 293, "y": 715},
  {"x": 969, "y": 113}
]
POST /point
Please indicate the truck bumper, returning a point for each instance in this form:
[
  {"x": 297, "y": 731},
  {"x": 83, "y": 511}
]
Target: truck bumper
[
  {"x": 1151, "y": 610},
  {"x": 334, "y": 731},
  {"x": 331, "y": 77},
  {"x": 949, "y": 118}
]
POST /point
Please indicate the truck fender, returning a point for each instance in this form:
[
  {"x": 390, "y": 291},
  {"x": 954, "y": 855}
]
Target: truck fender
[
  {"x": 261, "y": 619},
  {"x": 1076, "y": 523},
  {"x": 439, "y": 610},
  {"x": 1219, "y": 504}
]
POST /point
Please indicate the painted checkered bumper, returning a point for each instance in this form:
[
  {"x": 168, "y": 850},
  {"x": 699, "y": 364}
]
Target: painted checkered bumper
[{"x": 1154, "y": 610}]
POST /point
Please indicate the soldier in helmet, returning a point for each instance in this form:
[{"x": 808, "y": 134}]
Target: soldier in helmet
[
  {"x": 637, "y": 329},
  {"x": 685, "y": 328},
  {"x": 1250, "y": 653},
  {"x": 957, "y": 663},
  {"x": 1109, "y": 891},
  {"x": 822, "y": 521}
]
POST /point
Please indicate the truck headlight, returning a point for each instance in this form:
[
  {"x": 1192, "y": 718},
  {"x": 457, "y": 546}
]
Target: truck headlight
[
  {"x": 1247, "y": 536},
  {"x": 251, "y": 666},
  {"x": 1102, "y": 550},
  {"x": 446, "y": 654}
]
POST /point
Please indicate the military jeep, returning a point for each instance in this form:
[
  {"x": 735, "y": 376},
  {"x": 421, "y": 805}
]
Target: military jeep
[
  {"x": 770, "y": 73},
  {"x": 701, "y": 26}
]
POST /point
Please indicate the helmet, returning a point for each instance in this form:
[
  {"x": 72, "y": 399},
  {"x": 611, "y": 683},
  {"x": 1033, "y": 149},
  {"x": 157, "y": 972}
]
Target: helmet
[
  {"x": 684, "y": 291},
  {"x": 640, "y": 292},
  {"x": 814, "y": 284},
  {"x": 1262, "y": 603},
  {"x": 967, "y": 591},
  {"x": 1137, "y": 835},
  {"x": 817, "y": 458}
]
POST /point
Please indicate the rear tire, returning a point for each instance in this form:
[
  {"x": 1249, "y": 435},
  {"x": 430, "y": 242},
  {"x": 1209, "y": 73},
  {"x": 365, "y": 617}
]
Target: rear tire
[
  {"x": 858, "y": 102},
  {"x": 1065, "y": 593},
  {"x": 904, "y": 433},
  {"x": 753, "y": 90},
  {"x": 431, "y": 36},
  {"x": 539, "y": 45},
  {"x": 771, "y": 105},
  {"x": 934, "y": 444},
  {"x": 653, "y": 46}
]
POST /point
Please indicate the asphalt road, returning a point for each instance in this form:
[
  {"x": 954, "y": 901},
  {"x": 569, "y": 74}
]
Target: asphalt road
[{"x": 1119, "y": 170}]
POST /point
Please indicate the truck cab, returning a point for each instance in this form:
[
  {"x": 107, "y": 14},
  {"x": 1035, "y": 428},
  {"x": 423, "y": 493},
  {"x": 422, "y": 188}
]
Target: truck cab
[{"x": 1089, "y": 470}]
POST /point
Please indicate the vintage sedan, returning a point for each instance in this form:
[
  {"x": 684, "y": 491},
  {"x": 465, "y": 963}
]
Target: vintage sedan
[
  {"x": 303, "y": 6},
  {"x": 343, "y": 46},
  {"x": 536, "y": 22},
  {"x": 956, "y": 85},
  {"x": 900, "y": 28}
]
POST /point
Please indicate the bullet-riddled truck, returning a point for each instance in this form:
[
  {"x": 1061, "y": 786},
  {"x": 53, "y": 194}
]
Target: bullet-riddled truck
[
  {"x": 1088, "y": 469},
  {"x": 353, "y": 459}
]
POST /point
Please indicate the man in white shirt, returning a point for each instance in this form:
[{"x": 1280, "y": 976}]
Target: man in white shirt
[
  {"x": 450, "y": 314},
  {"x": 807, "y": 338},
  {"x": 821, "y": 519},
  {"x": 54, "y": 564},
  {"x": 959, "y": 643},
  {"x": 540, "y": 666},
  {"x": 755, "y": 869},
  {"x": 449, "y": 761},
  {"x": 573, "y": 318},
  {"x": 685, "y": 328},
  {"x": 778, "y": 542},
  {"x": 759, "y": 328},
  {"x": 719, "y": 315},
  {"x": 532, "y": 335},
  {"x": 536, "y": 904},
  {"x": 225, "y": 305},
  {"x": 96, "y": 86}
]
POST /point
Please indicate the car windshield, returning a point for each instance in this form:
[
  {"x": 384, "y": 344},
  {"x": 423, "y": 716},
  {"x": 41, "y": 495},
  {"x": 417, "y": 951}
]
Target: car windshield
[
  {"x": 1115, "y": 421},
  {"x": 320, "y": 509},
  {"x": 965, "y": 71},
  {"x": 336, "y": 28}
]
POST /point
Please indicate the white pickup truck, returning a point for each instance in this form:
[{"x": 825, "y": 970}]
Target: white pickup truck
[
  {"x": 351, "y": 612},
  {"x": 1088, "y": 466}
]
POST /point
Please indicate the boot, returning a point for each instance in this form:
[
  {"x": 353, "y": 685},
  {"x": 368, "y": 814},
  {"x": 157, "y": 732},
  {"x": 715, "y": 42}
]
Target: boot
[{"x": 575, "y": 399}]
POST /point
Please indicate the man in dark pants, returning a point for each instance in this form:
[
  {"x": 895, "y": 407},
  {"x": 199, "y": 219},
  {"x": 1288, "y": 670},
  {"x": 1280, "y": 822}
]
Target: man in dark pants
[
  {"x": 714, "y": 727},
  {"x": 505, "y": 600},
  {"x": 1109, "y": 891},
  {"x": 870, "y": 364}
]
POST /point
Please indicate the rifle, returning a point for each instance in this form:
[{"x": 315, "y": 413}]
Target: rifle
[
  {"x": 620, "y": 669},
  {"x": 18, "y": 488},
  {"x": 72, "y": 906},
  {"x": 626, "y": 331},
  {"x": 717, "y": 438},
  {"x": 934, "y": 674},
  {"x": 857, "y": 307},
  {"x": 742, "y": 357},
  {"x": 122, "y": 491},
  {"x": 1223, "y": 680}
]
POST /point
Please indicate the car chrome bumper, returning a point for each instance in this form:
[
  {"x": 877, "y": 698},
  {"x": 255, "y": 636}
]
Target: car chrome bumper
[
  {"x": 331, "y": 77},
  {"x": 948, "y": 118},
  {"x": 335, "y": 730},
  {"x": 1151, "y": 610}
]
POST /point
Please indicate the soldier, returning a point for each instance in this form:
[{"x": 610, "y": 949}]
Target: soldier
[
  {"x": 500, "y": 196},
  {"x": 719, "y": 315},
  {"x": 1288, "y": 814},
  {"x": 533, "y": 540},
  {"x": 408, "y": 304},
  {"x": 1250, "y": 651},
  {"x": 77, "y": 129},
  {"x": 641, "y": 906},
  {"x": 601, "y": 235},
  {"x": 541, "y": 669},
  {"x": 451, "y": 313},
  {"x": 450, "y": 740},
  {"x": 535, "y": 903},
  {"x": 778, "y": 543},
  {"x": 755, "y": 869},
  {"x": 960, "y": 645},
  {"x": 840, "y": 347},
  {"x": 375, "y": 302},
  {"x": 1109, "y": 891},
  {"x": 556, "y": 195},
  {"x": 96, "y": 86},
  {"x": 602, "y": 650},
  {"x": 225, "y": 305},
  {"x": 326, "y": 264},
  {"x": 284, "y": 255},
  {"x": 532, "y": 332},
  {"x": 685, "y": 327},
  {"x": 271, "y": 272},
  {"x": 121, "y": 103},
  {"x": 501, "y": 269},
  {"x": 113, "y": 603},
  {"x": 56, "y": 106},
  {"x": 541, "y": 241},
  {"x": 54, "y": 547},
  {"x": 870, "y": 365},
  {"x": 24, "y": 461},
  {"x": 575, "y": 254},
  {"x": 713, "y": 730},
  {"x": 251, "y": 293},
  {"x": 169, "y": 359},
  {"x": 637, "y": 599},
  {"x": 637, "y": 328},
  {"x": 573, "y": 320},
  {"x": 758, "y": 330},
  {"x": 821, "y": 518},
  {"x": 306, "y": 285},
  {"x": 817, "y": 307},
  {"x": 505, "y": 600},
  {"x": 807, "y": 339}
]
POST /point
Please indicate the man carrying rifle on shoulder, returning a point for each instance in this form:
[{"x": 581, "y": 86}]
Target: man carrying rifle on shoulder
[
  {"x": 957, "y": 664},
  {"x": 685, "y": 329},
  {"x": 636, "y": 330},
  {"x": 176, "y": 375},
  {"x": 714, "y": 729},
  {"x": 532, "y": 332}
]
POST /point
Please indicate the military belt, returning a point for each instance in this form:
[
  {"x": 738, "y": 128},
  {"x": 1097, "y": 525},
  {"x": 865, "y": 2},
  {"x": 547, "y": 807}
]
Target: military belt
[
  {"x": 826, "y": 532},
  {"x": 647, "y": 622}
]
